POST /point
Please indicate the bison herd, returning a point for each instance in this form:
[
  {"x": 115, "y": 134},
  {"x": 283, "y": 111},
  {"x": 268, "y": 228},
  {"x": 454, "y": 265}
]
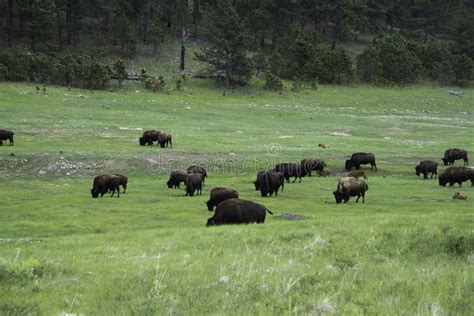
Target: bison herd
[{"x": 230, "y": 209}]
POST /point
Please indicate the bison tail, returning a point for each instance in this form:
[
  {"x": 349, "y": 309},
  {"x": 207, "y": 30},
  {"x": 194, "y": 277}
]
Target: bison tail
[{"x": 268, "y": 211}]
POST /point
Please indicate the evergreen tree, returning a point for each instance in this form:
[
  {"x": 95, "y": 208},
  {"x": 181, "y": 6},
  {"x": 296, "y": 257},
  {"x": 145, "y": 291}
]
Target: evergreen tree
[
  {"x": 226, "y": 51},
  {"x": 120, "y": 73}
]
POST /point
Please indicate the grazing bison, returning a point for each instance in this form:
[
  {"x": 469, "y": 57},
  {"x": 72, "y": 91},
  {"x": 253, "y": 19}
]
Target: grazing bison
[
  {"x": 358, "y": 159},
  {"x": 313, "y": 165},
  {"x": 193, "y": 184},
  {"x": 356, "y": 174},
  {"x": 425, "y": 167},
  {"x": 198, "y": 169},
  {"x": 290, "y": 170},
  {"x": 349, "y": 186},
  {"x": 123, "y": 181},
  {"x": 219, "y": 195},
  {"x": 269, "y": 182},
  {"x": 176, "y": 177},
  {"x": 459, "y": 196},
  {"x": 105, "y": 183},
  {"x": 237, "y": 211},
  {"x": 149, "y": 137},
  {"x": 164, "y": 139},
  {"x": 6, "y": 135},
  {"x": 457, "y": 175},
  {"x": 450, "y": 155}
]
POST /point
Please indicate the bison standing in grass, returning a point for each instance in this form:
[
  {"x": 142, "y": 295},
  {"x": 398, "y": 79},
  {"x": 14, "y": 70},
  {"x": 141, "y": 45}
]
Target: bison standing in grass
[
  {"x": 290, "y": 170},
  {"x": 164, "y": 139},
  {"x": 193, "y": 184},
  {"x": 198, "y": 169},
  {"x": 106, "y": 183},
  {"x": 358, "y": 159},
  {"x": 6, "y": 135},
  {"x": 176, "y": 177},
  {"x": 313, "y": 165},
  {"x": 219, "y": 195},
  {"x": 457, "y": 175},
  {"x": 269, "y": 182},
  {"x": 349, "y": 186},
  {"x": 425, "y": 167},
  {"x": 149, "y": 137},
  {"x": 452, "y": 154},
  {"x": 237, "y": 211}
]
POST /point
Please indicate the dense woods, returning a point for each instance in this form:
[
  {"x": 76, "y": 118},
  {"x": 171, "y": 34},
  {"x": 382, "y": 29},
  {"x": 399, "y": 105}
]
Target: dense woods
[{"x": 65, "y": 41}]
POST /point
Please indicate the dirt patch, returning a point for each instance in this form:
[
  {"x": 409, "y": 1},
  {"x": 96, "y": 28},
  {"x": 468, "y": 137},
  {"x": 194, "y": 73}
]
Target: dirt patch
[
  {"x": 343, "y": 134},
  {"x": 292, "y": 217},
  {"x": 416, "y": 142},
  {"x": 130, "y": 128}
]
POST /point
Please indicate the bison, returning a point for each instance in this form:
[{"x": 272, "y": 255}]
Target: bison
[
  {"x": 459, "y": 196},
  {"x": 425, "y": 167},
  {"x": 269, "y": 183},
  {"x": 193, "y": 184},
  {"x": 452, "y": 154},
  {"x": 349, "y": 186},
  {"x": 457, "y": 175},
  {"x": 123, "y": 181},
  {"x": 358, "y": 159},
  {"x": 356, "y": 174},
  {"x": 219, "y": 195},
  {"x": 6, "y": 135},
  {"x": 237, "y": 211},
  {"x": 164, "y": 139},
  {"x": 313, "y": 165},
  {"x": 197, "y": 169},
  {"x": 290, "y": 170},
  {"x": 105, "y": 183},
  {"x": 149, "y": 137},
  {"x": 176, "y": 177}
]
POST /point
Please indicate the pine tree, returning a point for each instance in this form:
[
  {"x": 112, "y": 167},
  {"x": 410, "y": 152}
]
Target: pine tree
[
  {"x": 120, "y": 73},
  {"x": 226, "y": 51}
]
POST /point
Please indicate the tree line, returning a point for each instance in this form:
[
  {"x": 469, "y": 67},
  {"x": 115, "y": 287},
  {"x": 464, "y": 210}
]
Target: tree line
[{"x": 298, "y": 40}]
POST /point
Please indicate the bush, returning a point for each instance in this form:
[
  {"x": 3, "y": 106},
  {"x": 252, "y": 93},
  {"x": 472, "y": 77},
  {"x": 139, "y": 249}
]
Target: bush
[
  {"x": 154, "y": 84},
  {"x": 273, "y": 83}
]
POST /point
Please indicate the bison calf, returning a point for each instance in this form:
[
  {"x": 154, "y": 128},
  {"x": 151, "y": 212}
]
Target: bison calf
[
  {"x": 459, "y": 196},
  {"x": 237, "y": 211}
]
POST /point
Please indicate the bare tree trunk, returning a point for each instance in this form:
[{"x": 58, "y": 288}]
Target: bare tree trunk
[
  {"x": 196, "y": 5},
  {"x": 9, "y": 22}
]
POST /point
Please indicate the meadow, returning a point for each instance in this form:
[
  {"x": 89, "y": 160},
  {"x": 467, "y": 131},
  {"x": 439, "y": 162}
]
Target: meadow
[{"x": 409, "y": 249}]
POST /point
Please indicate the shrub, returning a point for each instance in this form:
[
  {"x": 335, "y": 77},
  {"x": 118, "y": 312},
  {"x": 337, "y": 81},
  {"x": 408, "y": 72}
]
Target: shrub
[{"x": 273, "y": 83}]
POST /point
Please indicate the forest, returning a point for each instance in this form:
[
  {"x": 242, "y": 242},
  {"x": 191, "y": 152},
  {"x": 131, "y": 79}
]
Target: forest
[{"x": 82, "y": 43}]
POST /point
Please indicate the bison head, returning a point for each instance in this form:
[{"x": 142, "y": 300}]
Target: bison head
[
  {"x": 418, "y": 170},
  {"x": 349, "y": 164},
  {"x": 94, "y": 193},
  {"x": 210, "y": 222},
  {"x": 339, "y": 196},
  {"x": 442, "y": 180},
  {"x": 257, "y": 185},
  {"x": 169, "y": 184},
  {"x": 445, "y": 161},
  {"x": 210, "y": 207},
  {"x": 142, "y": 141}
]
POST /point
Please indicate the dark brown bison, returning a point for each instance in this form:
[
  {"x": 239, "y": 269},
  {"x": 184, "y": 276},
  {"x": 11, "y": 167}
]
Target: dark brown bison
[
  {"x": 176, "y": 177},
  {"x": 198, "y": 169},
  {"x": 6, "y": 135},
  {"x": 425, "y": 167},
  {"x": 164, "y": 139},
  {"x": 193, "y": 184},
  {"x": 123, "y": 181},
  {"x": 269, "y": 183},
  {"x": 149, "y": 137},
  {"x": 290, "y": 170},
  {"x": 457, "y": 175},
  {"x": 358, "y": 159},
  {"x": 313, "y": 165},
  {"x": 237, "y": 211},
  {"x": 219, "y": 195},
  {"x": 349, "y": 186},
  {"x": 356, "y": 174},
  {"x": 452, "y": 154},
  {"x": 105, "y": 183}
]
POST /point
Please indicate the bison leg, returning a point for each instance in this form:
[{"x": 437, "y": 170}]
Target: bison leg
[
  {"x": 460, "y": 183},
  {"x": 358, "y": 197},
  {"x": 425, "y": 175},
  {"x": 124, "y": 188}
]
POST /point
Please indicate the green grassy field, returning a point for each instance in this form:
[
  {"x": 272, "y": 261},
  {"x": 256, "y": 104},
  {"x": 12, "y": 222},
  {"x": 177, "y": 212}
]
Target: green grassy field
[{"x": 409, "y": 249}]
